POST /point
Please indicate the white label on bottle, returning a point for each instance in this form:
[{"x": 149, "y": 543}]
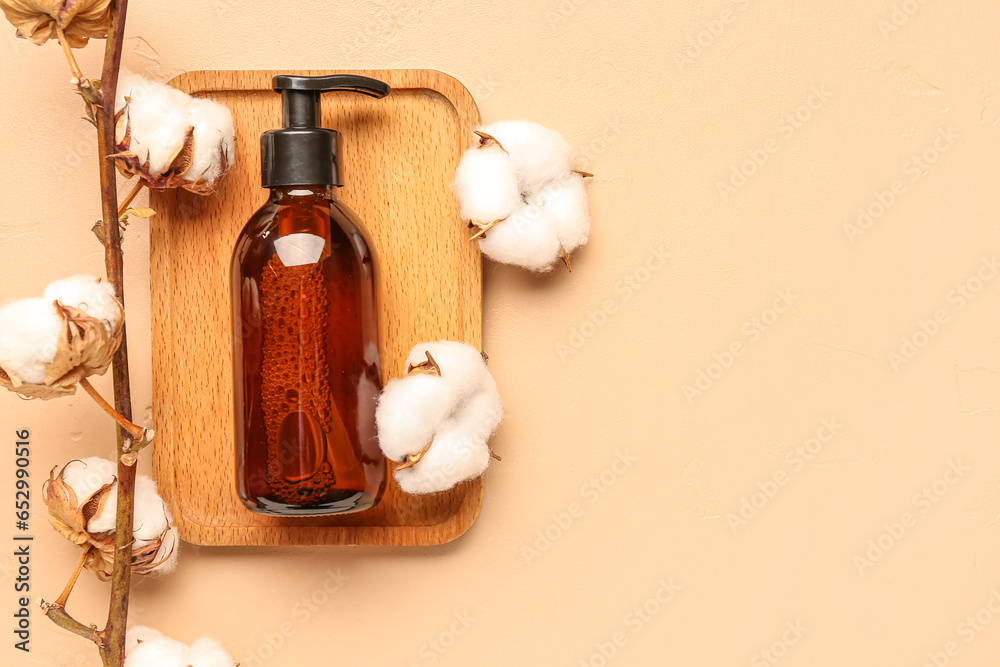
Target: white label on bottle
[{"x": 299, "y": 249}]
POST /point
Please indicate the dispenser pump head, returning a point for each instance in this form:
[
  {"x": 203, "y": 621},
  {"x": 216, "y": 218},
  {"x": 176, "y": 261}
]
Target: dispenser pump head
[{"x": 302, "y": 153}]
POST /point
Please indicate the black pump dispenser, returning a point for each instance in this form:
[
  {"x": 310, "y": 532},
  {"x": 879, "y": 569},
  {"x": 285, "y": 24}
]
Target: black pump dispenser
[{"x": 302, "y": 153}]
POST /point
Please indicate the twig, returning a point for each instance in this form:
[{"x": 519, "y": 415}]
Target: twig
[
  {"x": 132, "y": 195},
  {"x": 113, "y": 635},
  {"x": 138, "y": 433},
  {"x": 72, "y": 580},
  {"x": 73, "y": 65},
  {"x": 57, "y": 614}
]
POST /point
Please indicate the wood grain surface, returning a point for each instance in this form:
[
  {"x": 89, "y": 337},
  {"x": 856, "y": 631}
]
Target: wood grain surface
[{"x": 398, "y": 158}]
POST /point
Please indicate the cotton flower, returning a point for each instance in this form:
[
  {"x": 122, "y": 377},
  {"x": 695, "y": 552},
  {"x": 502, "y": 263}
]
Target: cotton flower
[
  {"x": 169, "y": 138},
  {"x": 519, "y": 189},
  {"x": 146, "y": 647},
  {"x": 48, "y": 345},
  {"x": 39, "y": 20},
  {"x": 437, "y": 420},
  {"x": 82, "y": 501}
]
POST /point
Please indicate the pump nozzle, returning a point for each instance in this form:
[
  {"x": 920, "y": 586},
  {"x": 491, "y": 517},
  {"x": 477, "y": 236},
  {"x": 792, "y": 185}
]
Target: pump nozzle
[{"x": 302, "y": 153}]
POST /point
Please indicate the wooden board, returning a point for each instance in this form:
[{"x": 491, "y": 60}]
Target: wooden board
[{"x": 398, "y": 158}]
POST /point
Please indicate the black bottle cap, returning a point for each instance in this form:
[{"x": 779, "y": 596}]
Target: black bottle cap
[{"x": 302, "y": 153}]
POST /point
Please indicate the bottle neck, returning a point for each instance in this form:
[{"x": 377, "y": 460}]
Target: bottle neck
[
  {"x": 303, "y": 194},
  {"x": 304, "y": 209}
]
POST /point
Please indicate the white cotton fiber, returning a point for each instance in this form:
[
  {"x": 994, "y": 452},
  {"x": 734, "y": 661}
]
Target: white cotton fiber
[
  {"x": 409, "y": 412},
  {"x": 86, "y": 476},
  {"x": 213, "y": 132},
  {"x": 539, "y": 155},
  {"x": 459, "y": 451},
  {"x": 158, "y": 652},
  {"x": 207, "y": 652},
  {"x": 466, "y": 369},
  {"x": 527, "y": 239},
  {"x": 565, "y": 205},
  {"x": 138, "y": 634},
  {"x": 146, "y": 647},
  {"x": 486, "y": 186},
  {"x": 89, "y": 294},
  {"x": 412, "y": 408},
  {"x": 453, "y": 458},
  {"x": 168, "y": 552},
  {"x": 151, "y": 519},
  {"x": 158, "y": 119},
  {"x": 29, "y": 338}
]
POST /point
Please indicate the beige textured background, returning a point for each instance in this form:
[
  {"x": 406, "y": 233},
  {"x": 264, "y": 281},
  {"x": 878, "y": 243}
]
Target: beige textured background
[{"x": 874, "y": 543}]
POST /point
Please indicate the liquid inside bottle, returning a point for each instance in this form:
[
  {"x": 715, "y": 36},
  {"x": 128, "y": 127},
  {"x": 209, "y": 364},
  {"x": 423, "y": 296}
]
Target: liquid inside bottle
[{"x": 306, "y": 357}]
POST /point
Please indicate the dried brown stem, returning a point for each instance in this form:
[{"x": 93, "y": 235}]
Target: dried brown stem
[
  {"x": 57, "y": 614},
  {"x": 64, "y": 597},
  {"x": 113, "y": 635},
  {"x": 131, "y": 195},
  {"x": 138, "y": 433},
  {"x": 68, "y": 52}
]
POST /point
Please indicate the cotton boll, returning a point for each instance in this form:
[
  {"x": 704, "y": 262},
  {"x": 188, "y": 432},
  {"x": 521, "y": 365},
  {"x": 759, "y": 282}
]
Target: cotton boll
[
  {"x": 29, "y": 338},
  {"x": 87, "y": 476},
  {"x": 486, "y": 186},
  {"x": 158, "y": 652},
  {"x": 213, "y": 133},
  {"x": 527, "y": 239},
  {"x": 565, "y": 204},
  {"x": 539, "y": 155},
  {"x": 451, "y": 446},
  {"x": 160, "y": 124},
  {"x": 207, "y": 652},
  {"x": 151, "y": 523},
  {"x": 89, "y": 294},
  {"x": 409, "y": 411}
]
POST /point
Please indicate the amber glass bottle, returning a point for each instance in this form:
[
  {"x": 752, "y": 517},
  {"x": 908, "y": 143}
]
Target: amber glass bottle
[{"x": 306, "y": 360}]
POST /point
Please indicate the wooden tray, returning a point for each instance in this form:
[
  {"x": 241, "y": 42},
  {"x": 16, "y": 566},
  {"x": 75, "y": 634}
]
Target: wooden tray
[{"x": 399, "y": 155}]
